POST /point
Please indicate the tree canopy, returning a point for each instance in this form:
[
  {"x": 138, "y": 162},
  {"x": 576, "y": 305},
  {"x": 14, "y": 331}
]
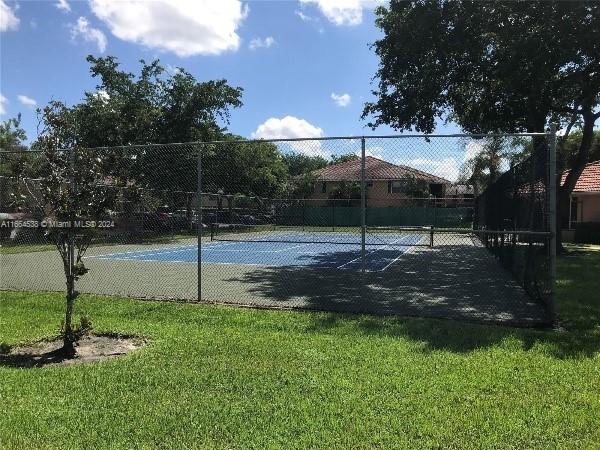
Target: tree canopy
[
  {"x": 490, "y": 66},
  {"x": 503, "y": 66}
]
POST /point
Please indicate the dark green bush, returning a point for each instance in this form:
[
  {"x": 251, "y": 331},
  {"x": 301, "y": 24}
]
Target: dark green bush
[{"x": 587, "y": 233}]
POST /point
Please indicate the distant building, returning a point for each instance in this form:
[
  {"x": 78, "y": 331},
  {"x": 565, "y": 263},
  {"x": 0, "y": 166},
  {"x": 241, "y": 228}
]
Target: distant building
[
  {"x": 585, "y": 198},
  {"x": 387, "y": 184}
]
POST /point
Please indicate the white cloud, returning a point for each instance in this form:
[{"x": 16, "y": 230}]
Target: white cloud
[
  {"x": 26, "y": 101},
  {"x": 342, "y": 12},
  {"x": 472, "y": 149},
  {"x": 447, "y": 168},
  {"x": 173, "y": 70},
  {"x": 261, "y": 43},
  {"x": 88, "y": 33},
  {"x": 3, "y": 103},
  {"x": 183, "y": 27},
  {"x": 291, "y": 127},
  {"x": 303, "y": 16},
  {"x": 8, "y": 19},
  {"x": 63, "y": 5},
  {"x": 102, "y": 95},
  {"x": 340, "y": 99}
]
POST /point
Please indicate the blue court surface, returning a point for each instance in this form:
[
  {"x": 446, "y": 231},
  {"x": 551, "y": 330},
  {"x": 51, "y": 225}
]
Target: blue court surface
[{"x": 340, "y": 251}]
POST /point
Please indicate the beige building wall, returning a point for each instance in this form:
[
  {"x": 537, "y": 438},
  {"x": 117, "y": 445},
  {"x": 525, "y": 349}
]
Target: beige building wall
[
  {"x": 377, "y": 194},
  {"x": 590, "y": 207}
]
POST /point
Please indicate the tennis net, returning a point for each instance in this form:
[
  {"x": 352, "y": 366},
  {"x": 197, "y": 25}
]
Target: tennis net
[{"x": 385, "y": 236}]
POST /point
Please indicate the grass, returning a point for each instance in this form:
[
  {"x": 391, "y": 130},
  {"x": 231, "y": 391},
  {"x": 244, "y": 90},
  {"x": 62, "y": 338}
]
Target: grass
[
  {"x": 11, "y": 248},
  {"x": 220, "y": 377}
]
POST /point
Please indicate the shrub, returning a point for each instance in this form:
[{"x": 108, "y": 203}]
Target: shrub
[{"x": 587, "y": 233}]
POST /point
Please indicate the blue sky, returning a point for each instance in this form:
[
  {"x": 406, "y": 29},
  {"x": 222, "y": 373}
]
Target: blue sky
[
  {"x": 291, "y": 57},
  {"x": 305, "y": 65}
]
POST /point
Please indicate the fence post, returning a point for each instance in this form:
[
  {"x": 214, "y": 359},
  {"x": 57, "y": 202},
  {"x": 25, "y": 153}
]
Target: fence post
[
  {"x": 303, "y": 214},
  {"x": 333, "y": 215},
  {"x": 363, "y": 203},
  {"x": 199, "y": 220},
  {"x": 552, "y": 218},
  {"x": 71, "y": 249}
]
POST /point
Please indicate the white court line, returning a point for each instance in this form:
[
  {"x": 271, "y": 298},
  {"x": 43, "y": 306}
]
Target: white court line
[
  {"x": 410, "y": 250},
  {"x": 184, "y": 262},
  {"x": 160, "y": 252},
  {"x": 147, "y": 260},
  {"x": 140, "y": 251},
  {"x": 181, "y": 247},
  {"x": 393, "y": 261},
  {"x": 372, "y": 251},
  {"x": 260, "y": 251}
]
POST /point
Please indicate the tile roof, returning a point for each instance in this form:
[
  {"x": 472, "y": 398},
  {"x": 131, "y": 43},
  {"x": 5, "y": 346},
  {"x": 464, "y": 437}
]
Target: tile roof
[
  {"x": 589, "y": 180},
  {"x": 375, "y": 169}
]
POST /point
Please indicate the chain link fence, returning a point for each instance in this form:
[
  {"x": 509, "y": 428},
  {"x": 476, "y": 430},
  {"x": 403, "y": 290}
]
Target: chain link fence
[{"x": 436, "y": 226}]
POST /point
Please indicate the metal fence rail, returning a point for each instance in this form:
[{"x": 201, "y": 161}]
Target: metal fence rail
[{"x": 451, "y": 226}]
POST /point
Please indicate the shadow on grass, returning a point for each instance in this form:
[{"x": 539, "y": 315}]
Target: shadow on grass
[
  {"x": 462, "y": 337},
  {"x": 33, "y": 360}
]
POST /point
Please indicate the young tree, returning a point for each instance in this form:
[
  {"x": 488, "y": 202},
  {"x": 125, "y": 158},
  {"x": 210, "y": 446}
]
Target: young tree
[
  {"x": 73, "y": 195},
  {"x": 505, "y": 66}
]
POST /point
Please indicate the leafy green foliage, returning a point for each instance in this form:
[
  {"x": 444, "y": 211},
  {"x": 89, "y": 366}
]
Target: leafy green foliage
[
  {"x": 151, "y": 108},
  {"x": 504, "y": 66},
  {"x": 78, "y": 331},
  {"x": 300, "y": 164},
  {"x": 495, "y": 155},
  {"x": 11, "y": 134},
  {"x": 243, "y": 168},
  {"x": 346, "y": 190},
  {"x": 569, "y": 147},
  {"x": 509, "y": 66},
  {"x": 337, "y": 159},
  {"x": 72, "y": 190},
  {"x": 15, "y": 165}
]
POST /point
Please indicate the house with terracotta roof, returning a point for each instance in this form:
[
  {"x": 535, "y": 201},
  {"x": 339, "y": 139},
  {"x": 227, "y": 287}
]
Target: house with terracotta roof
[
  {"x": 387, "y": 184},
  {"x": 585, "y": 198}
]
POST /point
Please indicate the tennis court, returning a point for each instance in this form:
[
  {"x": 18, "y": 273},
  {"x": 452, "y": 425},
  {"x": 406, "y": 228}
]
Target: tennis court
[{"x": 339, "y": 250}]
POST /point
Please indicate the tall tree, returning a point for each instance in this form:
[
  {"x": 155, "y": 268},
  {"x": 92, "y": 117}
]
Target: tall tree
[
  {"x": 507, "y": 66},
  {"x": 16, "y": 164},
  {"x": 337, "y": 159},
  {"x": 299, "y": 163},
  {"x": 485, "y": 166},
  {"x": 152, "y": 107}
]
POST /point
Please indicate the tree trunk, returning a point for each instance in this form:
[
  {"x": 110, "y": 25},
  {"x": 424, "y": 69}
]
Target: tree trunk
[{"x": 68, "y": 335}]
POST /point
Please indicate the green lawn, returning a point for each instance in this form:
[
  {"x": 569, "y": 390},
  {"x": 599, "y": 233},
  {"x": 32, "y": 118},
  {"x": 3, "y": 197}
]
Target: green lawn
[
  {"x": 10, "y": 248},
  {"x": 220, "y": 377}
]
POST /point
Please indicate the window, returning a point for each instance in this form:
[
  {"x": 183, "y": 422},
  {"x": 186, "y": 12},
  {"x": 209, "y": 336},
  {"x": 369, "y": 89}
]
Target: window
[
  {"x": 396, "y": 187},
  {"x": 437, "y": 190},
  {"x": 323, "y": 187},
  {"x": 369, "y": 184},
  {"x": 574, "y": 210}
]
